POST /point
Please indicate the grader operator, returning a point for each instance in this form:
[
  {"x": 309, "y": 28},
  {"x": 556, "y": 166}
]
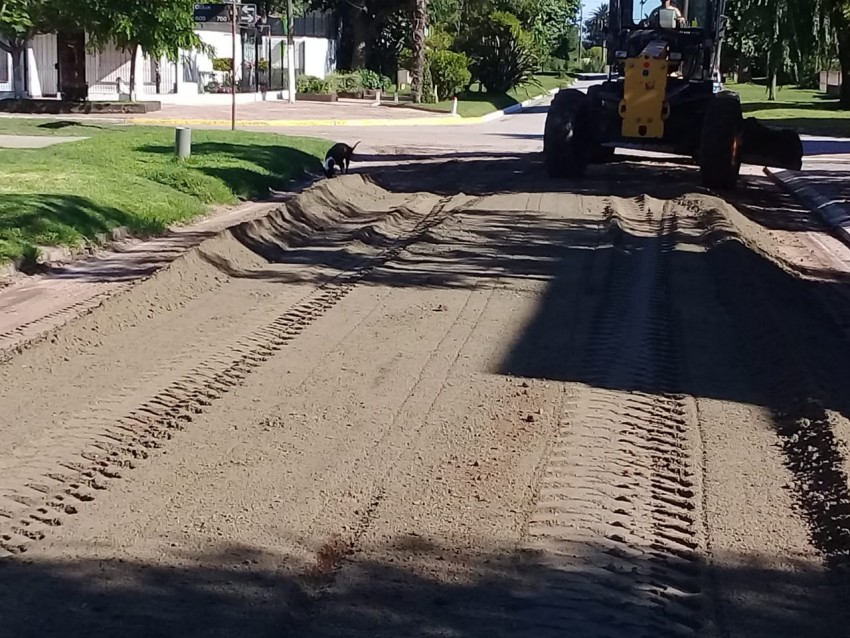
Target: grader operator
[{"x": 663, "y": 93}]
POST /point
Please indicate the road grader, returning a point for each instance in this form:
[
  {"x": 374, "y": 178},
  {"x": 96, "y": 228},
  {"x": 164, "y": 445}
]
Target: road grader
[{"x": 663, "y": 93}]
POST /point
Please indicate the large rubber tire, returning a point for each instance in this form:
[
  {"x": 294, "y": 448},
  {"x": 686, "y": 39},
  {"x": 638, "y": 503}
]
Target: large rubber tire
[
  {"x": 565, "y": 136},
  {"x": 720, "y": 144},
  {"x": 597, "y": 154}
]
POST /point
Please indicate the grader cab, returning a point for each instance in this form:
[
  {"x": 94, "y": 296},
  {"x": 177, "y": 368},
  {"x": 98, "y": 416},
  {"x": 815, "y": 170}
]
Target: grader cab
[{"x": 663, "y": 93}]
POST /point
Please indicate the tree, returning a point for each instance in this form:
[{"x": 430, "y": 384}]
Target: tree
[
  {"x": 549, "y": 22},
  {"x": 160, "y": 28},
  {"x": 839, "y": 14},
  {"x": 362, "y": 21},
  {"x": 791, "y": 36},
  {"x": 502, "y": 52},
  {"x": 420, "y": 24},
  {"x": 20, "y": 21},
  {"x": 595, "y": 24}
]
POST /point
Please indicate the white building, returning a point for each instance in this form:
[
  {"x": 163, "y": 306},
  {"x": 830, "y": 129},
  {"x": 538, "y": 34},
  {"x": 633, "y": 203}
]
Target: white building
[{"x": 55, "y": 63}]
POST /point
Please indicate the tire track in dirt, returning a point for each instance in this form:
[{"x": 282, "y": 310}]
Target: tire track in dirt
[
  {"x": 30, "y": 504},
  {"x": 617, "y": 524},
  {"x": 12, "y": 342}
]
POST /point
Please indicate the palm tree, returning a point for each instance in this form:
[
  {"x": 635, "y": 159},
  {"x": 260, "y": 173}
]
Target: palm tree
[
  {"x": 420, "y": 24},
  {"x": 595, "y": 24}
]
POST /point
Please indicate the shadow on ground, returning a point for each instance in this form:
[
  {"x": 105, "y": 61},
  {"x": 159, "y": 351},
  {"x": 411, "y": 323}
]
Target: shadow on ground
[
  {"x": 826, "y": 147},
  {"x": 744, "y": 327},
  {"x": 30, "y": 219},
  {"x": 410, "y": 587},
  {"x": 258, "y": 167},
  {"x": 827, "y": 126},
  {"x": 824, "y": 105}
]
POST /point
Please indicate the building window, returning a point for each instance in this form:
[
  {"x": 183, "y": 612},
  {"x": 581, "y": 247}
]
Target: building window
[{"x": 5, "y": 64}]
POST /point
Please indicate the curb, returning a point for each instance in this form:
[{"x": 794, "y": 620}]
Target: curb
[
  {"x": 440, "y": 120},
  {"x": 835, "y": 215}
]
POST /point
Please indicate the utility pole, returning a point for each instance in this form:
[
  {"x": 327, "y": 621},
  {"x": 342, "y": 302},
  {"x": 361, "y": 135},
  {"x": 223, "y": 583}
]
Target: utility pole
[
  {"x": 233, "y": 18},
  {"x": 290, "y": 52},
  {"x": 580, "y": 31}
]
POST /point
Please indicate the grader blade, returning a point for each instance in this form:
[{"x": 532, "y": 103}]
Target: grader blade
[{"x": 773, "y": 147}]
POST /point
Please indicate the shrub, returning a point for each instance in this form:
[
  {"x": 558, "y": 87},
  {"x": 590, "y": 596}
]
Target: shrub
[
  {"x": 449, "y": 72},
  {"x": 427, "y": 84},
  {"x": 502, "y": 52},
  {"x": 594, "y": 62},
  {"x": 312, "y": 84},
  {"x": 346, "y": 82},
  {"x": 223, "y": 64},
  {"x": 405, "y": 59},
  {"x": 374, "y": 81},
  {"x": 439, "y": 39}
]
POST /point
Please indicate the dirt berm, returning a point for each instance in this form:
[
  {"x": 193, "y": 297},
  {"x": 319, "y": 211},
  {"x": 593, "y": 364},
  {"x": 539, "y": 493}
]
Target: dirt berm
[{"x": 520, "y": 411}]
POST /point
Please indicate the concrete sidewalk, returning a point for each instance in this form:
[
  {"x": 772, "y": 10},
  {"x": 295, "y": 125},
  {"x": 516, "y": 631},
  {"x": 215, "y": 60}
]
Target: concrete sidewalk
[
  {"x": 352, "y": 113},
  {"x": 277, "y": 113},
  {"x": 35, "y": 141},
  {"x": 824, "y": 183}
]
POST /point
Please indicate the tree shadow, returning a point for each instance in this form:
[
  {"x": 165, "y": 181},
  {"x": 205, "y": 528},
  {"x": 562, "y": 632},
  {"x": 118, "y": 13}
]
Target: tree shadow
[
  {"x": 826, "y": 147},
  {"x": 779, "y": 105},
  {"x": 537, "y": 109},
  {"x": 260, "y": 168},
  {"x": 29, "y": 220},
  {"x": 826, "y": 126},
  {"x": 63, "y": 124},
  {"x": 414, "y": 586}
]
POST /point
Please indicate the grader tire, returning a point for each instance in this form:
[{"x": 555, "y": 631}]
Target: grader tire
[
  {"x": 720, "y": 145},
  {"x": 566, "y": 145}
]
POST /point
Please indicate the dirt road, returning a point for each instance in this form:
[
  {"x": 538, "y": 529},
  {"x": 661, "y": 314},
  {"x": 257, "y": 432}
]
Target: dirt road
[{"x": 450, "y": 398}]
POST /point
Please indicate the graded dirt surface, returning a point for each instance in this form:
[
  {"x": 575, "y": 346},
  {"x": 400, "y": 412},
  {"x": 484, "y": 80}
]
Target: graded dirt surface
[{"x": 447, "y": 397}]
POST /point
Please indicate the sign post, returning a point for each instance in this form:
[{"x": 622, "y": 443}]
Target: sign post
[
  {"x": 233, "y": 69},
  {"x": 233, "y": 12},
  {"x": 290, "y": 53}
]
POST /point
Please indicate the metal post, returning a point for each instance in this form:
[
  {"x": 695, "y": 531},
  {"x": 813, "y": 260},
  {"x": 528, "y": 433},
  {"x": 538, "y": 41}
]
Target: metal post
[
  {"x": 183, "y": 142},
  {"x": 290, "y": 53},
  {"x": 580, "y": 32},
  {"x": 233, "y": 67},
  {"x": 256, "y": 60}
]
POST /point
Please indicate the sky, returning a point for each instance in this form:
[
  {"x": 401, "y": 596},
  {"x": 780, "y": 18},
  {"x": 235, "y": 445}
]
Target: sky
[{"x": 590, "y": 5}]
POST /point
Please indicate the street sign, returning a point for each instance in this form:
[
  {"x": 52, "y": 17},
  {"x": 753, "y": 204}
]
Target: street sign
[
  {"x": 247, "y": 14},
  {"x": 212, "y": 13}
]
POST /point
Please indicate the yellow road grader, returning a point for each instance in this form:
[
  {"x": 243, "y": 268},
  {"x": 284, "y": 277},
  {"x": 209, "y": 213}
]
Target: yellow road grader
[{"x": 663, "y": 93}]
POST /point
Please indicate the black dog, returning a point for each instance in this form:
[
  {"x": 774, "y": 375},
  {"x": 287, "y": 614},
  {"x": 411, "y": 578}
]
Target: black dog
[{"x": 339, "y": 155}]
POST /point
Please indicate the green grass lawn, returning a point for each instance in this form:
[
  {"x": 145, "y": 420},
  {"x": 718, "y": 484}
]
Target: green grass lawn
[
  {"x": 66, "y": 195},
  {"x": 807, "y": 111},
  {"x": 476, "y": 104}
]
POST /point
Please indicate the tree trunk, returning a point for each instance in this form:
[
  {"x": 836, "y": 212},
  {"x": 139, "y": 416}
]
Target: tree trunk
[
  {"x": 19, "y": 82},
  {"x": 420, "y": 23},
  {"x": 134, "y": 50},
  {"x": 361, "y": 31},
  {"x": 772, "y": 73},
  {"x": 844, "y": 58},
  {"x": 17, "y": 48}
]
